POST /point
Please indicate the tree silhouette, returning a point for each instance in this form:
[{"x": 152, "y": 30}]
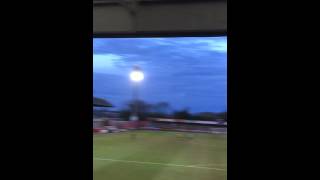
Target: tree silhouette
[
  {"x": 138, "y": 106},
  {"x": 183, "y": 114}
]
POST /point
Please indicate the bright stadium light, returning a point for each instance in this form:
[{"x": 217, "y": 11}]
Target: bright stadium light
[{"x": 136, "y": 75}]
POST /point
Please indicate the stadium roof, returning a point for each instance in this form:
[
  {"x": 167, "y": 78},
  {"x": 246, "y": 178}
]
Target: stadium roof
[{"x": 98, "y": 102}]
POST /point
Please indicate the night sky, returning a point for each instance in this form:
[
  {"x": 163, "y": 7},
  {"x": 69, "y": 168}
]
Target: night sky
[{"x": 189, "y": 72}]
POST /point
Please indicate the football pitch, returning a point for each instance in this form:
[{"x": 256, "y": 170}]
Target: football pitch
[{"x": 159, "y": 155}]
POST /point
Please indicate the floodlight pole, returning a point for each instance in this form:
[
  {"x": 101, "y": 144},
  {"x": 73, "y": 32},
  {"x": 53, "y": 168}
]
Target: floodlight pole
[
  {"x": 136, "y": 78},
  {"x": 135, "y": 96}
]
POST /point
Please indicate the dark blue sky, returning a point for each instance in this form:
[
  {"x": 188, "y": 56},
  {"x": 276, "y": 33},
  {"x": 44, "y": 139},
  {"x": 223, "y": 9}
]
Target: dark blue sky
[{"x": 188, "y": 72}]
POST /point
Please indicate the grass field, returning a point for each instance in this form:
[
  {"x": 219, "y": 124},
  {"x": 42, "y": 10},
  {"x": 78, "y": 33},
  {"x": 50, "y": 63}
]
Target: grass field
[{"x": 159, "y": 156}]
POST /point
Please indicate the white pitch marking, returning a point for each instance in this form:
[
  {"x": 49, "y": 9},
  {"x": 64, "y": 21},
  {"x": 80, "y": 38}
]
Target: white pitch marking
[
  {"x": 154, "y": 163},
  {"x": 211, "y": 165}
]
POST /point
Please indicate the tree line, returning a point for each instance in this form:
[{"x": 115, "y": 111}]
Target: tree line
[{"x": 164, "y": 110}]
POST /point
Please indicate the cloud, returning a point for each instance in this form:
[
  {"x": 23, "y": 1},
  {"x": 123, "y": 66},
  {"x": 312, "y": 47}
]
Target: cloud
[
  {"x": 153, "y": 45},
  {"x": 193, "y": 66},
  {"x": 214, "y": 45},
  {"x": 106, "y": 63}
]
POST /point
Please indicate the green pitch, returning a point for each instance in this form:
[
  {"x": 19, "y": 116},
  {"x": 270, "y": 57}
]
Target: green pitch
[{"x": 147, "y": 155}]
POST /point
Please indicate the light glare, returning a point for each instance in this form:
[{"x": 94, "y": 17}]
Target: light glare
[{"x": 136, "y": 76}]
